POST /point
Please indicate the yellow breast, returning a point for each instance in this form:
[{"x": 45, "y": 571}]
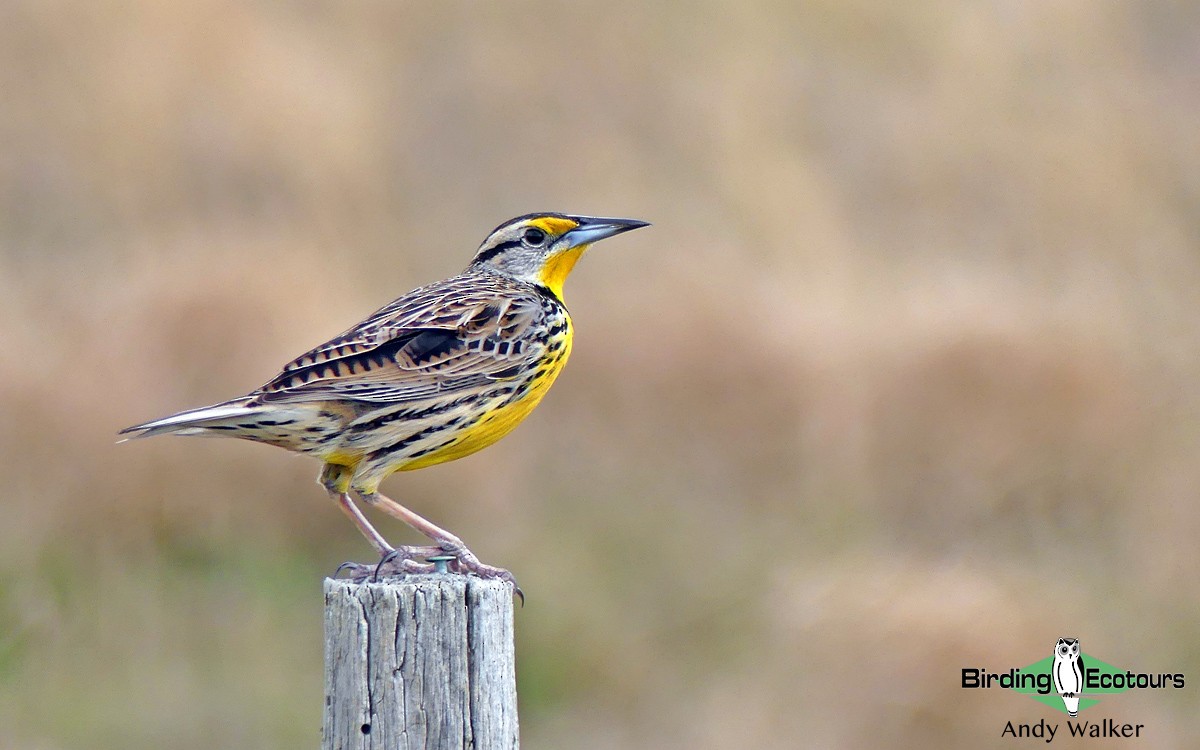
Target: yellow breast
[{"x": 497, "y": 420}]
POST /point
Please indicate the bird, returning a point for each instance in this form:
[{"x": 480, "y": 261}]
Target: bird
[
  {"x": 1068, "y": 670},
  {"x": 438, "y": 374}
]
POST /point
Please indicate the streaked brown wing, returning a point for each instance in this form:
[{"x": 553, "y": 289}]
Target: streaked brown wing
[{"x": 440, "y": 338}]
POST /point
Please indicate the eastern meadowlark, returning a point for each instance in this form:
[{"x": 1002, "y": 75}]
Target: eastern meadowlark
[{"x": 442, "y": 372}]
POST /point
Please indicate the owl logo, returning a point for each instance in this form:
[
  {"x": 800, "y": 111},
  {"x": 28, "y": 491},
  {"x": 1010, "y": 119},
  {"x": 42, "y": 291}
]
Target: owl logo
[{"x": 1068, "y": 673}]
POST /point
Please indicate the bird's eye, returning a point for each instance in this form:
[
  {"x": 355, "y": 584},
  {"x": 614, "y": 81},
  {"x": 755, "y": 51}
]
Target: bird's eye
[{"x": 534, "y": 236}]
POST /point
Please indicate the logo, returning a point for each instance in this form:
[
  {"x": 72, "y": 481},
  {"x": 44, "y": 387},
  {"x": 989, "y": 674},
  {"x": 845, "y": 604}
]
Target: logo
[{"x": 1070, "y": 681}]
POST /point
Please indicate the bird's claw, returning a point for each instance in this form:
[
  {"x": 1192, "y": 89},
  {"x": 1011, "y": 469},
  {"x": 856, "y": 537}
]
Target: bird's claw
[
  {"x": 400, "y": 562},
  {"x": 465, "y": 562},
  {"x": 358, "y": 571}
]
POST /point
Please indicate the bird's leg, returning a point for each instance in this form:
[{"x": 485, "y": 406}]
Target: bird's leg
[
  {"x": 351, "y": 510},
  {"x": 334, "y": 479},
  {"x": 465, "y": 561},
  {"x": 391, "y": 559}
]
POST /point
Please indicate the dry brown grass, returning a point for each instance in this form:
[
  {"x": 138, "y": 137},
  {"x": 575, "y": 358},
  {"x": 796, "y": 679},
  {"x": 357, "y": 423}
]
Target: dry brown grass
[{"x": 904, "y": 375}]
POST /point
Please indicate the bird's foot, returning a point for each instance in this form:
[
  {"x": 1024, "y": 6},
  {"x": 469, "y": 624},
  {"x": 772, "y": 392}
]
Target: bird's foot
[
  {"x": 466, "y": 562},
  {"x": 396, "y": 562},
  {"x": 404, "y": 560}
]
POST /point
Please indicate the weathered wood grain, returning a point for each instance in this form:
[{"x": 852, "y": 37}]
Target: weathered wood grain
[{"x": 421, "y": 662}]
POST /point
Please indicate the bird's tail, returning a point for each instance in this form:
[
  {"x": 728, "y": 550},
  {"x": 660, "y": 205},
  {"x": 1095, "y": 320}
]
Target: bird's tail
[{"x": 231, "y": 419}]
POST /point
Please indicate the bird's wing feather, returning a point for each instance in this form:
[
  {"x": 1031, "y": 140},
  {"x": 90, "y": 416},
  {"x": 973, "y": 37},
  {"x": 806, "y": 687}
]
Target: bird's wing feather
[{"x": 433, "y": 340}]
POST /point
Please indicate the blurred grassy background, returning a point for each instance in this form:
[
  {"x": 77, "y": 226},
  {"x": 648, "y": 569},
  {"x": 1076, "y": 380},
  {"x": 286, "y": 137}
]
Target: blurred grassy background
[{"x": 902, "y": 380}]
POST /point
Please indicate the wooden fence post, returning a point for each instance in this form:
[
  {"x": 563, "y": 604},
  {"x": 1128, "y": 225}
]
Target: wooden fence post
[{"x": 423, "y": 662}]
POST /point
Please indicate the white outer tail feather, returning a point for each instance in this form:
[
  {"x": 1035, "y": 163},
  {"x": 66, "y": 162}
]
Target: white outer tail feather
[{"x": 194, "y": 421}]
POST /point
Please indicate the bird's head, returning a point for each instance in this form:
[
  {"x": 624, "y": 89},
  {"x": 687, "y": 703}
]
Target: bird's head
[{"x": 543, "y": 248}]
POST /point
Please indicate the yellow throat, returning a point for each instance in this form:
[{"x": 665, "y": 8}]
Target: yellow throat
[{"x": 557, "y": 268}]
